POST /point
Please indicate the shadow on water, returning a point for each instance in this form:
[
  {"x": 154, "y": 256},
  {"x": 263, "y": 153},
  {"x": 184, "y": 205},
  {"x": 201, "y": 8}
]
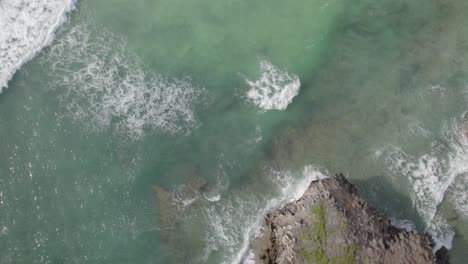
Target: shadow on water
[
  {"x": 381, "y": 194},
  {"x": 460, "y": 246}
]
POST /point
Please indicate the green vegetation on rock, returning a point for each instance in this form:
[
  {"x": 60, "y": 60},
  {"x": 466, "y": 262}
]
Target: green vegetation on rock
[{"x": 318, "y": 245}]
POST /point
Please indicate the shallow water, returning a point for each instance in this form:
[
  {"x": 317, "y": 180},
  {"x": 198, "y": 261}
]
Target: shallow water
[{"x": 160, "y": 131}]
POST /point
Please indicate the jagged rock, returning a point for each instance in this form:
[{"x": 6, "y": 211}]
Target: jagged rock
[
  {"x": 442, "y": 256},
  {"x": 332, "y": 224}
]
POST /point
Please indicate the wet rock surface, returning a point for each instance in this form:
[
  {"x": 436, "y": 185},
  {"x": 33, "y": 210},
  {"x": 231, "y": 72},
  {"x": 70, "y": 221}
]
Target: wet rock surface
[{"x": 331, "y": 223}]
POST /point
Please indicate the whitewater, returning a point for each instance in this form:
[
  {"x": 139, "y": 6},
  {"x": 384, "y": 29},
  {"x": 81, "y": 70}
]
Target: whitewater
[
  {"x": 275, "y": 89},
  {"x": 27, "y": 27},
  {"x": 435, "y": 176},
  {"x": 101, "y": 84}
]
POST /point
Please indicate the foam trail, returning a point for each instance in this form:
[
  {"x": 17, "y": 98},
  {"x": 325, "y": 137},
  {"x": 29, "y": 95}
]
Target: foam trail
[
  {"x": 103, "y": 86},
  {"x": 27, "y": 26},
  {"x": 275, "y": 89},
  {"x": 433, "y": 176}
]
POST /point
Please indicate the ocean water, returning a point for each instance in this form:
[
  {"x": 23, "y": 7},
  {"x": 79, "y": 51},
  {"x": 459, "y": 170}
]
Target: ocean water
[{"x": 162, "y": 131}]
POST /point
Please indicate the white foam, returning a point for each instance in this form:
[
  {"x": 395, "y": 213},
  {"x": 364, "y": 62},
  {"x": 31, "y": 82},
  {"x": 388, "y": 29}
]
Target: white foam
[
  {"x": 250, "y": 258},
  {"x": 405, "y": 224},
  {"x": 275, "y": 89},
  {"x": 214, "y": 194},
  {"x": 458, "y": 195},
  {"x": 214, "y": 198},
  {"x": 442, "y": 233},
  {"x": 438, "y": 89},
  {"x": 27, "y": 26},
  {"x": 103, "y": 85},
  {"x": 433, "y": 176},
  {"x": 259, "y": 135},
  {"x": 233, "y": 221},
  {"x": 3, "y": 231}
]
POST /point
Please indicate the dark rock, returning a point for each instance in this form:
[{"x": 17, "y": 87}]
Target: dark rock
[{"x": 442, "y": 256}]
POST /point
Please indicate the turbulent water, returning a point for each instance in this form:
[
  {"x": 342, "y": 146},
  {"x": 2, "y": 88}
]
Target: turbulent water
[
  {"x": 161, "y": 131},
  {"x": 274, "y": 89},
  {"x": 27, "y": 26}
]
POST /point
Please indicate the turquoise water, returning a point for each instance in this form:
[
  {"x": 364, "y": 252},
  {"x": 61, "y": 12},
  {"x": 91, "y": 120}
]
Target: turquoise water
[{"x": 134, "y": 137}]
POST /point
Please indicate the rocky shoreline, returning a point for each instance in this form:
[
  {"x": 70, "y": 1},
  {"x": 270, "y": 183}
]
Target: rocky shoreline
[{"x": 332, "y": 224}]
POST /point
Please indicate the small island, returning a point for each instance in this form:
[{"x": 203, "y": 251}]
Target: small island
[{"x": 332, "y": 224}]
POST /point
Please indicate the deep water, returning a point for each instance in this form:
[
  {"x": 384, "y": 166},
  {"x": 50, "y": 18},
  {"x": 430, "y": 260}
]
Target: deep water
[{"x": 161, "y": 131}]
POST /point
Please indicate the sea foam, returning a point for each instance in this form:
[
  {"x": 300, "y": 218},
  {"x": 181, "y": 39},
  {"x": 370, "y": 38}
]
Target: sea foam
[
  {"x": 434, "y": 176},
  {"x": 27, "y": 26},
  {"x": 275, "y": 89},
  {"x": 104, "y": 85},
  {"x": 235, "y": 219}
]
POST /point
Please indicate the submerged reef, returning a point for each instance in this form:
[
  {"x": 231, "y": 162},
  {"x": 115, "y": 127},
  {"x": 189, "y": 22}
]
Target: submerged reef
[{"x": 331, "y": 223}]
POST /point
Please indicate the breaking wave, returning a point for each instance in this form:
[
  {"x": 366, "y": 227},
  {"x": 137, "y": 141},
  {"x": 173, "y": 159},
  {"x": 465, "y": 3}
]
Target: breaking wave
[
  {"x": 27, "y": 26},
  {"x": 103, "y": 85},
  {"x": 433, "y": 177},
  {"x": 234, "y": 220},
  {"x": 275, "y": 89}
]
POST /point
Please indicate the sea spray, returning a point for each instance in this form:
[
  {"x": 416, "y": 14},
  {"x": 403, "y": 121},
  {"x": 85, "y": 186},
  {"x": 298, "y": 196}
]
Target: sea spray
[{"x": 27, "y": 26}]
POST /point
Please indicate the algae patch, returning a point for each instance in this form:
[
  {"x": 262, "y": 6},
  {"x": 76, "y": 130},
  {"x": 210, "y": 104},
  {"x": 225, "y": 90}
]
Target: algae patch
[{"x": 318, "y": 241}]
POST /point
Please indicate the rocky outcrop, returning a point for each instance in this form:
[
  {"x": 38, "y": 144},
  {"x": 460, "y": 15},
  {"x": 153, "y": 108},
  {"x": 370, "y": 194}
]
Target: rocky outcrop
[
  {"x": 332, "y": 224},
  {"x": 172, "y": 204}
]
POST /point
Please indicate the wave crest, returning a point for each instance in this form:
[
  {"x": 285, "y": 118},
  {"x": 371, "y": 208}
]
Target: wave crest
[{"x": 26, "y": 28}]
